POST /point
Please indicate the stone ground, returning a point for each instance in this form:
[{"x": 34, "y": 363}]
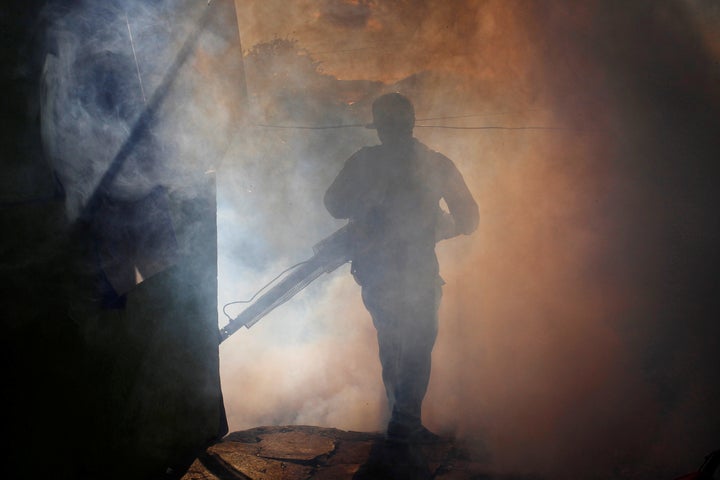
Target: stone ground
[{"x": 314, "y": 453}]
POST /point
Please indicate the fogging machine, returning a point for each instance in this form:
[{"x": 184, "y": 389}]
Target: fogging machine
[{"x": 329, "y": 254}]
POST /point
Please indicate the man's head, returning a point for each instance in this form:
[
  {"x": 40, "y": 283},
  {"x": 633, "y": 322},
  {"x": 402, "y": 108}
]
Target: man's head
[{"x": 393, "y": 117}]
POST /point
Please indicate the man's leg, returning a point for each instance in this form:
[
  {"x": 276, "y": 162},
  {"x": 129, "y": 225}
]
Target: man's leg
[
  {"x": 383, "y": 316},
  {"x": 414, "y": 363},
  {"x": 406, "y": 322}
]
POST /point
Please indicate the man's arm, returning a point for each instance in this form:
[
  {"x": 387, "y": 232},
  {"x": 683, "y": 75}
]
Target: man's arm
[
  {"x": 338, "y": 197},
  {"x": 460, "y": 202}
]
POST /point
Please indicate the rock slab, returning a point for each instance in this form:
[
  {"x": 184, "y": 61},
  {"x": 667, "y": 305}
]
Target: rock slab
[{"x": 314, "y": 453}]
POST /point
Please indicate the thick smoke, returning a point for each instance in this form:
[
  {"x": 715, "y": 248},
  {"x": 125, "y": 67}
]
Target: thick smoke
[
  {"x": 105, "y": 63},
  {"x": 578, "y": 324},
  {"x": 139, "y": 103}
]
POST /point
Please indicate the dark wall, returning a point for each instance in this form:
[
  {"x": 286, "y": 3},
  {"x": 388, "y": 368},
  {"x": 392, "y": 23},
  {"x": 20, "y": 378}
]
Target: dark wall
[{"x": 92, "y": 391}]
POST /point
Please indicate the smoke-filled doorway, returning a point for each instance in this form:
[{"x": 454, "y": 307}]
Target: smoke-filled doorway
[{"x": 578, "y": 318}]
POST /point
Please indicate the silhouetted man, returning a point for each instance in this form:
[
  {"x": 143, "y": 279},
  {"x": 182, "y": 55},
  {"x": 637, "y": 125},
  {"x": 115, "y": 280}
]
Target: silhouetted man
[{"x": 391, "y": 193}]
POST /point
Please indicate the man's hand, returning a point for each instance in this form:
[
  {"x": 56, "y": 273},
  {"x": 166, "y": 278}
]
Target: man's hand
[{"x": 445, "y": 227}]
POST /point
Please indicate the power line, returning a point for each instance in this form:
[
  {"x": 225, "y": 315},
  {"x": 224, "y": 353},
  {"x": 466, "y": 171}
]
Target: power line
[
  {"x": 471, "y": 115},
  {"x": 491, "y": 127},
  {"x": 448, "y": 127},
  {"x": 424, "y": 119},
  {"x": 309, "y": 127}
]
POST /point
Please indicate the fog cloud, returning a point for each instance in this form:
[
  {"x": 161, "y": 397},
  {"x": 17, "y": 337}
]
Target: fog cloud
[{"x": 578, "y": 326}]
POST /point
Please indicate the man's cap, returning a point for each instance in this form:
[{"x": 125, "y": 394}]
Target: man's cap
[{"x": 392, "y": 110}]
